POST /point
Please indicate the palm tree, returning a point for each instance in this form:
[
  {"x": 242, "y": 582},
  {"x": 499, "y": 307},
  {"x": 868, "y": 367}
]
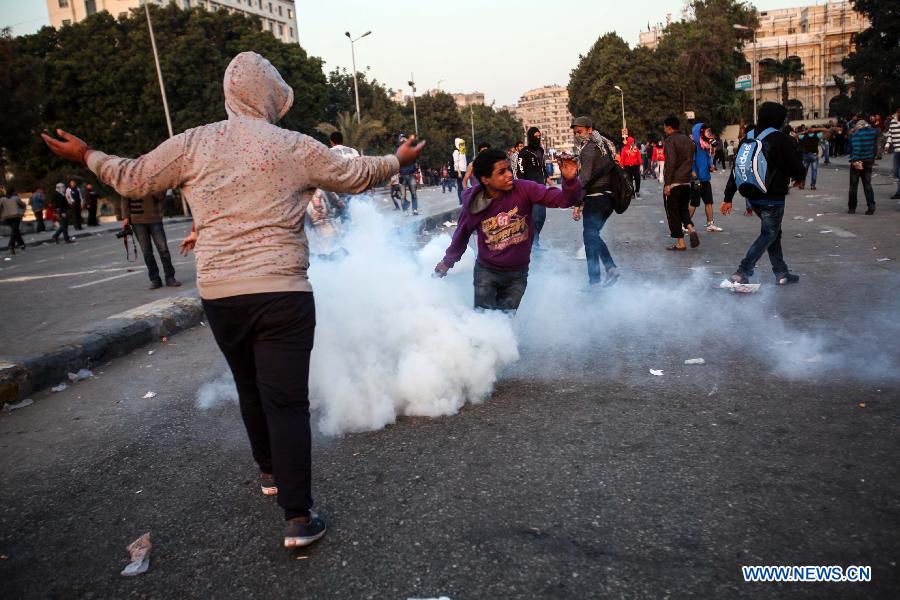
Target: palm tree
[
  {"x": 789, "y": 69},
  {"x": 356, "y": 135}
]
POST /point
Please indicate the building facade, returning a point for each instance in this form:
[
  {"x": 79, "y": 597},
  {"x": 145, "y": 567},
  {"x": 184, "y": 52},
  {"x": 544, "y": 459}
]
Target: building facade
[
  {"x": 464, "y": 100},
  {"x": 818, "y": 37},
  {"x": 547, "y": 108},
  {"x": 279, "y": 17}
]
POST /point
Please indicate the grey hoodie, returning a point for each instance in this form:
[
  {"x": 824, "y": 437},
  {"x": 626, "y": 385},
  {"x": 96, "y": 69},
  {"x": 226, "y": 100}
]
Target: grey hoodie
[{"x": 247, "y": 182}]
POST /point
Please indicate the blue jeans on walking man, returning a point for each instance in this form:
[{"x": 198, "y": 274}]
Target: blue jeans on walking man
[
  {"x": 409, "y": 183},
  {"x": 811, "y": 159},
  {"x": 538, "y": 218},
  {"x": 769, "y": 240},
  {"x": 594, "y": 215},
  {"x": 149, "y": 235}
]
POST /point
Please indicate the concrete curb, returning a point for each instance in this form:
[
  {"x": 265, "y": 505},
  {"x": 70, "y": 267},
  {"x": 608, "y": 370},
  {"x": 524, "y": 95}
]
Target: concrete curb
[
  {"x": 4, "y": 231},
  {"x": 97, "y": 343}
]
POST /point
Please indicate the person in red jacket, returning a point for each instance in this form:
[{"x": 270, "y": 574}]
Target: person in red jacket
[
  {"x": 659, "y": 160},
  {"x": 631, "y": 162}
]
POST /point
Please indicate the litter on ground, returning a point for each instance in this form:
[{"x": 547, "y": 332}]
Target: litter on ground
[
  {"x": 149, "y": 395},
  {"x": 695, "y": 361},
  {"x": 882, "y": 259},
  {"x": 740, "y": 288},
  {"x": 139, "y": 550},
  {"x": 17, "y": 405},
  {"x": 80, "y": 375},
  {"x": 657, "y": 372},
  {"x": 59, "y": 388}
]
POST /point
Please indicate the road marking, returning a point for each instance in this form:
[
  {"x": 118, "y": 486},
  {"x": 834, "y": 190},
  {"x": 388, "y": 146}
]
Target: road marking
[
  {"x": 82, "y": 285},
  {"x": 22, "y": 278}
]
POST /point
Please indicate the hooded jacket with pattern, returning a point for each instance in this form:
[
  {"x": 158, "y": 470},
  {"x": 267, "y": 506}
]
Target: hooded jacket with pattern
[{"x": 248, "y": 183}]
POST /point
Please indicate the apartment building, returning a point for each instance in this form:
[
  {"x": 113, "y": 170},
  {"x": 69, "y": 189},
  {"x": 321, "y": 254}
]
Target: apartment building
[
  {"x": 279, "y": 17},
  {"x": 547, "y": 108}
]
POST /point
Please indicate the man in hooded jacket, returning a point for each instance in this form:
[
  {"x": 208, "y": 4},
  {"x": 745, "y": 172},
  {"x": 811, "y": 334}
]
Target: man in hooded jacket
[
  {"x": 702, "y": 136},
  {"x": 782, "y": 157},
  {"x": 248, "y": 183},
  {"x": 531, "y": 168}
]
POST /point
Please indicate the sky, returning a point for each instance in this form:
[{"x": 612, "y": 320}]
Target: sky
[{"x": 501, "y": 48}]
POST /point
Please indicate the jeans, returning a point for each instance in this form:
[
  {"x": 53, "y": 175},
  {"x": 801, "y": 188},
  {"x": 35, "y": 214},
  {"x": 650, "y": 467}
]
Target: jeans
[
  {"x": 445, "y": 185},
  {"x": 597, "y": 210},
  {"x": 896, "y": 168},
  {"x": 15, "y": 235},
  {"x": 409, "y": 182},
  {"x": 459, "y": 189},
  {"x": 63, "y": 219},
  {"x": 866, "y": 176},
  {"x": 267, "y": 340},
  {"x": 769, "y": 240},
  {"x": 826, "y": 152},
  {"x": 499, "y": 290},
  {"x": 39, "y": 219},
  {"x": 634, "y": 174},
  {"x": 677, "y": 211},
  {"x": 144, "y": 232},
  {"x": 538, "y": 218},
  {"x": 810, "y": 159}
]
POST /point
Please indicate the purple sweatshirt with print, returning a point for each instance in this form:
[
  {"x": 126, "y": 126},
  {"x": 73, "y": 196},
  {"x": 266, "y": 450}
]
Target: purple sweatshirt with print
[{"x": 504, "y": 225}]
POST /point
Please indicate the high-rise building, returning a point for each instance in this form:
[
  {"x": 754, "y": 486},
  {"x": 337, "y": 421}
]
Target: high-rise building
[
  {"x": 279, "y": 17},
  {"x": 818, "y": 37},
  {"x": 547, "y": 108},
  {"x": 464, "y": 100}
]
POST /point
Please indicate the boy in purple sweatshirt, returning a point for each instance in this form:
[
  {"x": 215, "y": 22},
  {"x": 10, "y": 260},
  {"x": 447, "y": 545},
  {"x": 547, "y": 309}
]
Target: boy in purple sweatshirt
[{"x": 499, "y": 209}]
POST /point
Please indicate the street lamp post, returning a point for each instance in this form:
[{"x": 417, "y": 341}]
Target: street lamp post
[
  {"x": 412, "y": 84},
  {"x": 753, "y": 67},
  {"x": 353, "y": 56},
  {"x": 624, "y": 126},
  {"x": 472, "y": 122}
]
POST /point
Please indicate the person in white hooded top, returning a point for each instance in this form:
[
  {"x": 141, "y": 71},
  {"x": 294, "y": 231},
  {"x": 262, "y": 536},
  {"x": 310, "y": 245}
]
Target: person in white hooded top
[
  {"x": 459, "y": 165},
  {"x": 248, "y": 183}
]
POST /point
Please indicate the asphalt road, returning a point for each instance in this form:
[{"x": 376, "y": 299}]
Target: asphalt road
[{"x": 582, "y": 476}]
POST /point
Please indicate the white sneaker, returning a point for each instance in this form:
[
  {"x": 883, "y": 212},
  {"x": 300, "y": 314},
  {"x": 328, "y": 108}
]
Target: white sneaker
[
  {"x": 711, "y": 226},
  {"x": 684, "y": 229}
]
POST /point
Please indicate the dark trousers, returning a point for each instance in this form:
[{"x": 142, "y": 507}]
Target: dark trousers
[
  {"x": 499, "y": 290},
  {"x": 647, "y": 170},
  {"x": 145, "y": 232},
  {"x": 459, "y": 189},
  {"x": 677, "y": 211},
  {"x": 39, "y": 220},
  {"x": 15, "y": 236},
  {"x": 634, "y": 174},
  {"x": 445, "y": 184},
  {"x": 63, "y": 220},
  {"x": 866, "y": 176},
  {"x": 267, "y": 340},
  {"x": 92, "y": 214},
  {"x": 769, "y": 240},
  {"x": 538, "y": 218},
  {"x": 75, "y": 215},
  {"x": 597, "y": 210}
]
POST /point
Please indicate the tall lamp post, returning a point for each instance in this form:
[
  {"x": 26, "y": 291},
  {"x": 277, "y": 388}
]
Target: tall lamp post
[
  {"x": 624, "y": 127},
  {"x": 412, "y": 84},
  {"x": 753, "y": 67},
  {"x": 353, "y": 56},
  {"x": 162, "y": 88}
]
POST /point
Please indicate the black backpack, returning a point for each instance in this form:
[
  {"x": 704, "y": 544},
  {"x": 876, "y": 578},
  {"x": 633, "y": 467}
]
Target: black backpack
[{"x": 619, "y": 187}]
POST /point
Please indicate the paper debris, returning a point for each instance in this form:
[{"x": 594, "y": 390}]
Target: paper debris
[
  {"x": 9, "y": 259},
  {"x": 59, "y": 388},
  {"x": 810, "y": 220},
  {"x": 139, "y": 550},
  {"x": 81, "y": 374},
  {"x": 165, "y": 339},
  {"x": 695, "y": 361},
  {"x": 438, "y": 598},
  {"x": 740, "y": 288},
  {"x": 202, "y": 324},
  {"x": 798, "y": 235},
  {"x": 149, "y": 395},
  {"x": 150, "y": 353},
  {"x": 882, "y": 259},
  {"x": 798, "y": 218},
  {"x": 17, "y": 405},
  {"x": 784, "y": 342},
  {"x": 825, "y": 231},
  {"x": 581, "y": 254},
  {"x": 820, "y": 214},
  {"x": 656, "y": 372},
  {"x": 449, "y": 224},
  {"x": 713, "y": 391},
  {"x": 862, "y": 405},
  {"x": 813, "y": 359}
]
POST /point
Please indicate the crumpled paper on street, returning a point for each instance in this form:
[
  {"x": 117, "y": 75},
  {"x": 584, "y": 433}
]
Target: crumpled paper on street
[
  {"x": 140, "y": 556},
  {"x": 740, "y": 288},
  {"x": 81, "y": 374},
  {"x": 17, "y": 405}
]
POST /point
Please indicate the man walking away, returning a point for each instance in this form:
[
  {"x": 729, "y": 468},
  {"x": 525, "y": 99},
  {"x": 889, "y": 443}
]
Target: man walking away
[
  {"x": 37, "y": 207},
  {"x": 73, "y": 197},
  {"x": 784, "y": 165},
  {"x": 62, "y": 213},
  {"x": 499, "y": 211},
  {"x": 701, "y": 184},
  {"x": 892, "y": 144},
  {"x": 91, "y": 198},
  {"x": 863, "y": 149},
  {"x": 631, "y": 162},
  {"x": 531, "y": 168},
  {"x": 597, "y": 159},
  {"x": 459, "y": 166},
  {"x": 679, "y": 159},
  {"x": 810, "y": 139},
  {"x": 145, "y": 215},
  {"x": 12, "y": 209},
  {"x": 408, "y": 179}
]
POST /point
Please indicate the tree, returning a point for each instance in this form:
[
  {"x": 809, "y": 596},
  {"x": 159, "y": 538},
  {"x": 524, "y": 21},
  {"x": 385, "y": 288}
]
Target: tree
[
  {"x": 356, "y": 135},
  {"x": 875, "y": 62},
  {"x": 788, "y": 69},
  {"x": 20, "y": 102},
  {"x": 499, "y": 128}
]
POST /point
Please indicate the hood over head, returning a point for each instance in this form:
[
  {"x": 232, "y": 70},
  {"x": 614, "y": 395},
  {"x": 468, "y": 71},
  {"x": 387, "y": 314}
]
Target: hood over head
[
  {"x": 696, "y": 131},
  {"x": 771, "y": 114},
  {"x": 629, "y": 141},
  {"x": 531, "y": 141},
  {"x": 61, "y": 188},
  {"x": 457, "y": 142},
  {"x": 255, "y": 89}
]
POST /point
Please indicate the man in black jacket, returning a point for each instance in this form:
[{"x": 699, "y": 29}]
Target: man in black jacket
[
  {"x": 781, "y": 155},
  {"x": 531, "y": 167}
]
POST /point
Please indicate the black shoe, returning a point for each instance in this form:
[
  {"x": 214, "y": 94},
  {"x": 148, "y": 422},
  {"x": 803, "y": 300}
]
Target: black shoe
[
  {"x": 298, "y": 534},
  {"x": 173, "y": 282},
  {"x": 787, "y": 278},
  {"x": 871, "y": 211},
  {"x": 155, "y": 285},
  {"x": 852, "y": 211}
]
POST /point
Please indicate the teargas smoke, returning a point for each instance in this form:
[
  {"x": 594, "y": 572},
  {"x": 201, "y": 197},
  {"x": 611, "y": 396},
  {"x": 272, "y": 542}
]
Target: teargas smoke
[{"x": 217, "y": 392}]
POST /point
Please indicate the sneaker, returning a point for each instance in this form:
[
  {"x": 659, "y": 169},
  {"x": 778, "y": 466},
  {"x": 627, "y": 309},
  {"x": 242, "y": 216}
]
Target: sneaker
[
  {"x": 711, "y": 226},
  {"x": 812, "y": 187},
  {"x": 155, "y": 285},
  {"x": 298, "y": 534},
  {"x": 787, "y": 278},
  {"x": 415, "y": 213},
  {"x": 612, "y": 276},
  {"x": 267, "y": 484},
  {"x": 871, "y": 211},
  {"x": 173, "y": 282}
]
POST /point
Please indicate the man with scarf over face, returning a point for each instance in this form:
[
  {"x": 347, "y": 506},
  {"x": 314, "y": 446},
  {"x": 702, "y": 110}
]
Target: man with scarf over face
[{"x": 531, "y": 167}]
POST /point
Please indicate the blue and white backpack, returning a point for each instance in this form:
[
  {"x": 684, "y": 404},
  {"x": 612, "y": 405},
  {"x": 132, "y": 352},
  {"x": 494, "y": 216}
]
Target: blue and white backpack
[{"x": 752, "y": 174}]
